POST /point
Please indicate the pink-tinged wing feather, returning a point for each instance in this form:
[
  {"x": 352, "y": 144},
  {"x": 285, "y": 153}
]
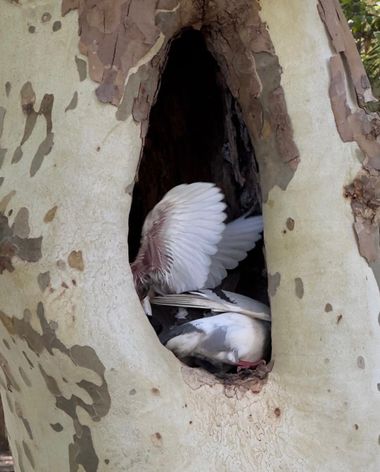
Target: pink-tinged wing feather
[
  {"x": 239, "y": 237},
  {"x": 179, "y": 237}
]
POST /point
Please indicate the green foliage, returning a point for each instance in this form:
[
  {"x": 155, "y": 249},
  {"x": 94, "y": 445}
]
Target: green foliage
[{"x": 364, "y": 19}]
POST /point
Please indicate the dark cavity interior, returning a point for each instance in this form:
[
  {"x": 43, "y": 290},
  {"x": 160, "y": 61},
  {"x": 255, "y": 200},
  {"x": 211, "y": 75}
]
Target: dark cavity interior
[{"x": 196, "y": 133}]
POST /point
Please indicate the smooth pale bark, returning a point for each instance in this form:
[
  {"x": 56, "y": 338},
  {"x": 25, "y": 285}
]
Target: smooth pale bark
[{"x": 320, "y": 409}]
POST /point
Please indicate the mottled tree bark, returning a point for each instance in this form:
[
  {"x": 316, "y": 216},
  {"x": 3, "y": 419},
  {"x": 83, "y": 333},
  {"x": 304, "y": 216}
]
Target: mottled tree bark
[{"x": 85, "y": 383}]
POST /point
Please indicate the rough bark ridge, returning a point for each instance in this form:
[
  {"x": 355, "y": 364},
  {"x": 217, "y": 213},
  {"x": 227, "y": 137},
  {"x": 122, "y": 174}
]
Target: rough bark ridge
[
  {"x": 115, "y": 36},
  {"x": 360, "y": 125}
]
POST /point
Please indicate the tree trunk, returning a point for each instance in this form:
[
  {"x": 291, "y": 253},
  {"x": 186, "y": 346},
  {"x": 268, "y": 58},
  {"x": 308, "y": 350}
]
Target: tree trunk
[{"x": 86, "y": 385}]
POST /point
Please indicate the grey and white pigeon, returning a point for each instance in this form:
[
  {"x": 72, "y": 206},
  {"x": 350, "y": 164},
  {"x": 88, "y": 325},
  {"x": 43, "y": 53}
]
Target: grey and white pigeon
[
  {"x": 229, "y": 338},
  {"x": 186, "y": 245}
]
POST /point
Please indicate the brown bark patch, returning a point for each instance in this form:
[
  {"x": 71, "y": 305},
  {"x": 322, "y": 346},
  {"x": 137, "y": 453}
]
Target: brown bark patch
[
  {"x": 360, "y": 361},
  {"x": 73, "y": 102},
  {"x": 8, "y": 88},
  {"x": 20, "y": 225},
  {"x": 343, "y": 42},
  {"x": 299, "y": 287},
  {"x": 68, "y": 5},
  {"x": 273, "y": 283},
  {"x": 364, "y": 193},
  {"x": 57, "y": 25},
  {"x": 81, "y": 67},
  {"x": 46, "y": 17},
  {"x": 359, "y": 125},
  {"x": 17, "y": 155},
  {"x": 12, "y": 245},
  {"x": 57, "y": 427},
  {"x": 328, "y": 307},
  {"x": 43, "y": 280},
  {"x": 75, "y": 260},
  {"x": 50, "y": 214},
  {"x": 290, "y": 223}
]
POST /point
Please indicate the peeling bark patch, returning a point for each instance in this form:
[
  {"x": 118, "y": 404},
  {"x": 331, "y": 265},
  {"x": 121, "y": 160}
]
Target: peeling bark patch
[
  {"x": 2, "y": 116},
  {"x": 115, "y": 39},
  {"x": 32, "y": 29},
  {"x": 364, "y": 193},
  {"x": 81, "y": 67},
  {"x": 8, "y": 87},
  {"x": 156, "y": 439},
  {"x": 81, "y": 450},
  {"x": 75, "y": 260},
  {"x": 360, "y": 361},
  {"x": 57, "y": 25},
  {"x": 343, "y": 42},
  {"x": 17, "y": 155},
  {"x": 11, "y": 383},
  {"x": 68, "y": 5},
  {"x": 290, "y": 224},
  {"x": 28, "y": 99},
  {"x": 43, "y": 280},
  {"x": 360, "y": 125},
  {"x": 9, "y": 402},
  {"x": 24, "y": 377},
  {"x": 28, "y": 453},
  {"x": 43, "y": 150},
  {"x": 31, "y": 365},
  {"x": 12, "y": 245},
  {"x": 328, "y": 307},
  {"x": 57, "y": 427},
  {"x": 5, "y": 200},
  {"x": 46, "y": 17},
  {"x": 155, "y": 391},
  {"x": 73, "y": 102},
  {"x": 6, "y": 344},
  {"x": 273, "y": 283},
  {"x": 299, "y": 287},
  {"x": 1, "y": 181},
  {"x": 2, "y": 156},
  {"x": 20, "y": 226},
  {"x": 61, "y": 264},
  {"x": 50, "y": 214}
]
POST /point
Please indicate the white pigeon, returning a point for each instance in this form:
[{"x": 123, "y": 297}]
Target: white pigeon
[
  {"x": 229, "y": 338},
  {"x": 216, "y": 301},
  {"x": 186, "y": 245}
]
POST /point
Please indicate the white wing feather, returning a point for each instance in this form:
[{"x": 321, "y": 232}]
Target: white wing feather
[
  {"x": 239, "y": 237},
  {"x": 180, "y": 235},
  {"x": 208, "y": 300}
]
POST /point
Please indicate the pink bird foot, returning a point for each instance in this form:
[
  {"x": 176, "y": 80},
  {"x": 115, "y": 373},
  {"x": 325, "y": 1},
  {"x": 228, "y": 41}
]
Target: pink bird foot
[{"x": 249, "y": 365}]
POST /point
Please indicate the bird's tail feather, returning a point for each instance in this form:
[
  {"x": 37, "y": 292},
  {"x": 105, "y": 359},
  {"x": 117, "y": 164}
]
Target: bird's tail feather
[{"x": 198, "y": 300}]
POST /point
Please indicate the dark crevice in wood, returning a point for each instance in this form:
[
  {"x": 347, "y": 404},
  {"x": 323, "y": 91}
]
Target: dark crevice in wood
[{"x": 197, "y": 133}]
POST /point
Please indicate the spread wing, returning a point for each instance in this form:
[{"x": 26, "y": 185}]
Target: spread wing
[
  {"x": 179, "y": 237},
  {"x": 238, "y": 238}
]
